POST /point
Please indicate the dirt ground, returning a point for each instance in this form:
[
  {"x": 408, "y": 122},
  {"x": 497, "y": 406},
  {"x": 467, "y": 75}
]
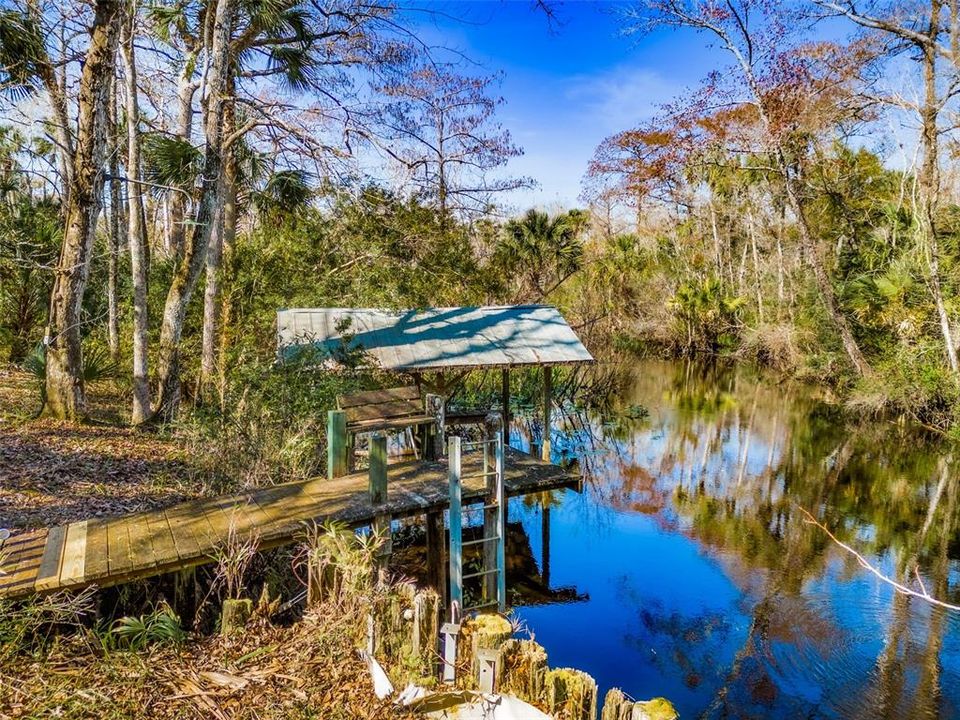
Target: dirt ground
[{"x": 51, "y": 473}]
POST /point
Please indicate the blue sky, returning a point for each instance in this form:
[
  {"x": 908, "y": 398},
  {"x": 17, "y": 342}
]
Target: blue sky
[{"x": 569, "y": 84}]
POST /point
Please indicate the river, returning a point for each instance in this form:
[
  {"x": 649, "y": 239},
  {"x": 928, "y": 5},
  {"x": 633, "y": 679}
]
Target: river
[{"x": 686, "y": 569}]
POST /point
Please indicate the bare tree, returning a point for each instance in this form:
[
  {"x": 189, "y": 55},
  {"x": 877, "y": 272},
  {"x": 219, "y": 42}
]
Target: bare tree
[
  {"x": 440, "y": 129},
  {"x": 930, "y": 32},
  {"x": 765, "y": 78}
]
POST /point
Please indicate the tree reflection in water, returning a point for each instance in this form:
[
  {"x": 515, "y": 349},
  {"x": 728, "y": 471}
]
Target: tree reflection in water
[{"x": 706, "y": 584}]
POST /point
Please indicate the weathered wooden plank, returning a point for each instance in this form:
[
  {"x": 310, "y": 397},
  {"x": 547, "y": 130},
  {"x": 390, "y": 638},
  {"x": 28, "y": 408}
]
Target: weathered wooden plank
[
  {"x": 374, "y": 397},
  {"x": 150, "y": 543},
  {"x": 396, "y": 409},
  {"x": 24, "y": 553},
  {"x": 74, "y": 554},
  {"x": 97, "y": 560},
  {"x": 141, "y": 544},
  {"x": 48, "y": 574},
  {"x": 164, "y": 547},
  {"x": 120, "y": 555},
  {"x": 362, "y": 426},
  {"x": 182, "y": 528}
]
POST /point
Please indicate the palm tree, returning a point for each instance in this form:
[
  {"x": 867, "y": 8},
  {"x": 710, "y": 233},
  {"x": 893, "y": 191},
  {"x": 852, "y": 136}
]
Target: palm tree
[{"x": 549, "y": 250}]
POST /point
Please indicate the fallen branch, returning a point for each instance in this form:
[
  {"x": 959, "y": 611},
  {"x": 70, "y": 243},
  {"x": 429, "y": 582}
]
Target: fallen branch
[{"x": 899, "y": 587}]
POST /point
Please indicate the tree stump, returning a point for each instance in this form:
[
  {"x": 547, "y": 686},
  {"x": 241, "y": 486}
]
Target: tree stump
[
  {"x": 525, "y": 668},
  {"x": 488, "y": 631},
  {"x": 616, "y": 706},
  {"x": 235, "y": 615},
  {"x": 571, "y": 694}
]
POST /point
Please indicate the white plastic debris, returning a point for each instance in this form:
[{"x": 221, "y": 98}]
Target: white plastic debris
[
  {"x": 382, "y": 687},
  {"x": 411, "y": 694}
]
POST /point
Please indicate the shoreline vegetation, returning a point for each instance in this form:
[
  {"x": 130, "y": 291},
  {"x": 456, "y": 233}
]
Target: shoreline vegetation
[{"x": 173, "y": 173}]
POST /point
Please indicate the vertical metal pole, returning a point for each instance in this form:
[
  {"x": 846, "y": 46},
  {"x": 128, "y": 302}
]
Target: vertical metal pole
[
  {"x": 547, "y": 402},
  {"x": 456, "y": 529},
  {"x": 337, "y": 450},
  {"x": 501, "y": 531}
]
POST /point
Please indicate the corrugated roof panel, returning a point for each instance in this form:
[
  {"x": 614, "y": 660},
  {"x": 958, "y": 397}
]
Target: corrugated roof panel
[{"x": 439, "y": 338}]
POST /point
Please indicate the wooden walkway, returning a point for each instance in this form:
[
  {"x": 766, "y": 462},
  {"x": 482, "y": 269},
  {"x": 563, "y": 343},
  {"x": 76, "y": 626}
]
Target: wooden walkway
[{"x": 106, "y": 552}]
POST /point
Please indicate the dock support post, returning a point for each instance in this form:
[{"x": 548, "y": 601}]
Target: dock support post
[
  {"x": 337, "y": 447},
  {"x": 378, "y": 496},
  {"x": 433, "y": 447},
  {"x": 456, "y": 530},
  {"x": 545, "y": 538},
  {"x": 378, "y": 468},
  {"x": 436, "y": 577},
  {"x": 494, "y": 515},
  {"x": 505, "y": 403},
  {"x": 547, "y": 402}
]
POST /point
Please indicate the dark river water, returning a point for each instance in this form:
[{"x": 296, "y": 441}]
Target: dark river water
[{"x": 686, "y": 568}]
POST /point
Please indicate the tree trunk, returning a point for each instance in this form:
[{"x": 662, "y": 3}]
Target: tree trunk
[
  {"x": 136, "y": 231},
  {"x": 813, "y": 253},
  {"x": 61, "y": 124},
  {"x": 223, "y": 237},
  {"x": 64, "y": 365},
  {"x": 756, "y": 264},
  {"x": 186, "y": 88},
  {"x": 188, "y": 268},
  {"x": 116, "y": 218},
  {"x": 929, "y": 180}
]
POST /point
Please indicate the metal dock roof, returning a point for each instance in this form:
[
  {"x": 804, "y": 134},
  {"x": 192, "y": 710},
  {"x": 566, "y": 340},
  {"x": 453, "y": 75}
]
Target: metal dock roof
[{"x": 437, "y": 338}]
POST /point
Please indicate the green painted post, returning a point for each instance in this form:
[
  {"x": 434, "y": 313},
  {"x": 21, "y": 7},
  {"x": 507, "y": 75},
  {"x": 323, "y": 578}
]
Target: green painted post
[
  {"x": 378, "y": 469},
  {"x": 337, "y": 444},
  {"x": 456, "y": 529}
]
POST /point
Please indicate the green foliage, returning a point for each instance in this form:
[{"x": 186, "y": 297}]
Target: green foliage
[
  {"x": 541, "y": 252},
  {"x": 29, "y": 242},
  {"x": 170, "y": 161},
  {"x": 286, "y": 193},
  {"x": 708, "y": 316},
  {"x": 159, "y": 627}
]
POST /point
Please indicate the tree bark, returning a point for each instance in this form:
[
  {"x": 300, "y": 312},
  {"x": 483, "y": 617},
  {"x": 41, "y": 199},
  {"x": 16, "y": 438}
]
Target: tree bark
[
  {"x": 114, "y": 239},
  {"x": 64, "y": 362},
  {"x": 929, "y": 180},
  {"x": 136, "y": 230},
  {"x": 191, "y": 263},
  {"x": 186, "y": 88},
  {"x": 223, "y": 237}
]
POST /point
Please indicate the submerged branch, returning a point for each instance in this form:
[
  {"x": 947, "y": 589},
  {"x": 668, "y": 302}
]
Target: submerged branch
[{"x": 899, "y": 587}]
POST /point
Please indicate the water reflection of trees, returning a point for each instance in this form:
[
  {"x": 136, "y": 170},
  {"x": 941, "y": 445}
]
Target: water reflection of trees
[{"x": 735, "y": 457}]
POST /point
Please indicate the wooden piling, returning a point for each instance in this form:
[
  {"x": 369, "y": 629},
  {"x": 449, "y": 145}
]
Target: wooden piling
[
  {"x": 547, "y": 407},
  {"x": 338, "y": 450},
  {"x": 378, "y": 469},
  {"x": 435, "y": 406},
  {"x": 487, "y": 631},
  {"x": 505, "y": 403},
  {"x": 571, "y": 694},
  {"x": 436, "y": 552},
  {"x": 616, "y": 706}
]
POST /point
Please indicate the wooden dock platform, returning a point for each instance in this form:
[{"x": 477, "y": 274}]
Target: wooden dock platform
[{"x": 107, "y": 552}]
